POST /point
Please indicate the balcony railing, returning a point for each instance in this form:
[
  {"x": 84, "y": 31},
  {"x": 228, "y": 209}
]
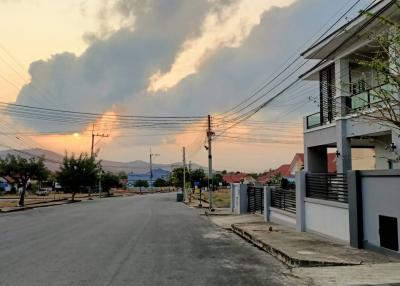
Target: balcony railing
[
  {"x": 314, "y": 120},
  {"x": 367, "y": 98}
]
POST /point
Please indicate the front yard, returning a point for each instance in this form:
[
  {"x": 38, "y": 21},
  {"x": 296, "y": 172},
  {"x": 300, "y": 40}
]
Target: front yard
[{"x": 221, "y": 198}]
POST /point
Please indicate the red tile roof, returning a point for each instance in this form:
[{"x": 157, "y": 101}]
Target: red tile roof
[
  {"x": 331, "y": 161},
  {"x": 283, "y": 170},
  {"x": 234, "y": 177}
]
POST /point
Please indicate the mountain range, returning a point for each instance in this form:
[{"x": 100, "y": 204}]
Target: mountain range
[{"x": 53, "y": 161}]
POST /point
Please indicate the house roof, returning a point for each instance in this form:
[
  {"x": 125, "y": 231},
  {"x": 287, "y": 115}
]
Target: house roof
[
  {"x": 345, "y": 36},
  {"x": 331, "y": 161},
  {"x": 325, "y": 46},
  {"x": 235, "y": 177},
  {"x": 8, "y": 179},
  {"x": 284, "y": 170}
]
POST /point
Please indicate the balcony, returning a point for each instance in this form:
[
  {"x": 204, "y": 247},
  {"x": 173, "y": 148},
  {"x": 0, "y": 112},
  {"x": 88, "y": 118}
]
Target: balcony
[
  {"x": 366, "y": 99},
  {"x": 355, "y": 102},
  {"x": 313, "y": 120}
]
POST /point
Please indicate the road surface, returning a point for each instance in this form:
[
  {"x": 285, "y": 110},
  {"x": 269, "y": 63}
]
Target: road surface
[{"x": 142, "y": 240}]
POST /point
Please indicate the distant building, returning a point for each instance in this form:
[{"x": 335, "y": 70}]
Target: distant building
[
  {"x": 297, "y": 163},
  {"x": 157, "y": 174},
  {"x": 283, "y": 170},
  {"x": 238, "y": 177}
]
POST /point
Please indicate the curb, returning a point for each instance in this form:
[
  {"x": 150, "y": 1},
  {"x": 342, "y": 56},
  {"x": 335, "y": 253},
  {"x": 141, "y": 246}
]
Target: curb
[
  {"x": 281, "y": 255},
  {"x": 64, "y": 202}
]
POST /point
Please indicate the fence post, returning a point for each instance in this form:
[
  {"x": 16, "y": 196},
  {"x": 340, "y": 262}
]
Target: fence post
[
  {"x": 267, "y": 202},
  {"x": 243, "y": 199},
  {"x": 232, "y": 197},
  {"x": 356, "y": 227},
  {"x": 300, "y": 204}
]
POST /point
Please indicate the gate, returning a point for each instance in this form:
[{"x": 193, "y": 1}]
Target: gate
[
  {"x": 284, "y": 200},
  {"x": 255, "y": 200},
  {"x": 327, "y": 186}
]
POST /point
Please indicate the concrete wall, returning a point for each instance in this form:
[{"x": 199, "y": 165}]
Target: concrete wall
[
  {"x": 380, "y": 196},
  {"x": 327, "y": 218},
  {"x": 282, "y": 217},
  {"x": 239, "y": 198},
  {"x": 323, "y": 135}
]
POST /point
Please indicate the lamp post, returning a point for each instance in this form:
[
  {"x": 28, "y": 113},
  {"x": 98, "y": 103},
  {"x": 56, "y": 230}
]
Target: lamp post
[{"x": 151, "y": 167}]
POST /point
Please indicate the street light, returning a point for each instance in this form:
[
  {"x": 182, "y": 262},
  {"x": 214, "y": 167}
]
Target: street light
[{"x": 151, "y": 167}]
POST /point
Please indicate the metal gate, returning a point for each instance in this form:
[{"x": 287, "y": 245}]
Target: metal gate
[{"x": 255, "y": 199}]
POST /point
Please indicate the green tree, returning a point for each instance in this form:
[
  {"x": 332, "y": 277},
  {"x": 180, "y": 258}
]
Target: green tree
[
  {"x": 276, "y": 179},
  {"x": 79, "y": 172},
  {"x": 176, "y": 178},
  {"x": 141, "y": 184},
  {"x": 109, "y": 180},
  {"x": 198, "y": 175},
  {"x": 160, "y": 183},
  {"x": 122, "y": 175},
  {"x": 218, "y": 178},
  {"x": 384, "y": 64},
  {"x": 22, "y": 170}
]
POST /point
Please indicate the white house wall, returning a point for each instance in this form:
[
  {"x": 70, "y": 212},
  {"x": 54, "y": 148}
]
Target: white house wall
[
  {"x": 325, "y": 218},
  {"x": 318, "y": 136},
  {"x": 381, "y": 196}
]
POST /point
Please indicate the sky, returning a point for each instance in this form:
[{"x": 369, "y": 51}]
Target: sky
[{"x": 159, "y": 58}]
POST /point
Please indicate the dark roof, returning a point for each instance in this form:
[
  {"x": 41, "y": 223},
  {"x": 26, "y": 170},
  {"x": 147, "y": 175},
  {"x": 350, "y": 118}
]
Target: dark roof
[{"x": 343, "y": 27}]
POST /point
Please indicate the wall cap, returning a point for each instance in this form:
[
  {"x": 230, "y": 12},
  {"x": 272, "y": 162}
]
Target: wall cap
[
  {"x": 283, "y": 212},
  {"x": 327, "y": 203},
  {"x": 380, "y": 173}
]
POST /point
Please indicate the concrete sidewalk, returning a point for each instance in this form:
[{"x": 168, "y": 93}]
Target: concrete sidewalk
[
  {"x": 369, "y": 274},
  {"x": 297, "y": 248}
]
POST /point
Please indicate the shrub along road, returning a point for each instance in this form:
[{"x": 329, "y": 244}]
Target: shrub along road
[{"x": 142, "y": 240}]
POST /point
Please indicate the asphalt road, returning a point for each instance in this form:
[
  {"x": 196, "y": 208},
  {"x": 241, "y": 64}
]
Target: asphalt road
[{"x": 142, "y": 240}]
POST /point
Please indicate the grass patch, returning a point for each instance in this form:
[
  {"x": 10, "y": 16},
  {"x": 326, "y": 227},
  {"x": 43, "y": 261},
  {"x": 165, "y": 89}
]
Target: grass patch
[{"x": 221, "y": 198}]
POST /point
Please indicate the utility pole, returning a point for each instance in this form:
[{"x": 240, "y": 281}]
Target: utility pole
[
  {"x": 184, "y": 173},
  {"x": 210, "y": 134},
  {"x": 100, "y": 186},
  {"x": 92, "y": 154},
  {"x": 96, "y": 135},
  {"x": 151, "y": 167}
]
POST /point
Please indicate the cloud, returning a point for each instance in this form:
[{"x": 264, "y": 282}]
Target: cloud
[
  {"x": 115, "y": 71},
  {"x": 227, "y": 27}
]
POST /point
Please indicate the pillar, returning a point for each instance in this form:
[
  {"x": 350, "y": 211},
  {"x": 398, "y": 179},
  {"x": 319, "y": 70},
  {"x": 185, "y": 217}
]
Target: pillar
[
  {"x": 300, "y": 203},
  {"x": 343, "y": 145},
  {"x": 267, "y": 202}
]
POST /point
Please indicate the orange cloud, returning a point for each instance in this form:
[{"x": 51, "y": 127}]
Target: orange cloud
[
  {"x": 81, "y": 141},
  {"x": 226, "y": 28}
]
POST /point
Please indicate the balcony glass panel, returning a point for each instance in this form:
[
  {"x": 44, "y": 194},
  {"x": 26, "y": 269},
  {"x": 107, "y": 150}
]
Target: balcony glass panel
[{"x": 313, "y": 120}]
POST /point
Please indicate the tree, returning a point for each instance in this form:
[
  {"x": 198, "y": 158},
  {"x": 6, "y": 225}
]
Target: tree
[
  {"x": 160, "y": 183},
  {"x": 377, "y": 96},
  {"x": 276, "y": 179},
  {"x": 218, "y": 178},
  {"x": 176, "y": 178},
  {"x": 199, "y": 176},
  {"x": 78, "y": 172},
  {"x": 122, "y": 175},
  {"x": 141, "y": 184},
  {"x": 109, "y": 180},
  {"x": 23, "y": 170}
]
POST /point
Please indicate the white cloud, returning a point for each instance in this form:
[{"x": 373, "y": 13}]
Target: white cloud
[{"x": 226, "y": 27}]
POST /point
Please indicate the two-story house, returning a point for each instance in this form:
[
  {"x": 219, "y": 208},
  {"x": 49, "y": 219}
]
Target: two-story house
[
  {"x": 327, "y": 202},
  {"x": 345, "y": 87}
]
